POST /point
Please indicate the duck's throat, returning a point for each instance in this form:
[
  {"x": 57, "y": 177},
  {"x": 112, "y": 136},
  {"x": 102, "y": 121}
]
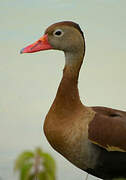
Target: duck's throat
[
  {"x": 67, "y": 99},
  {"x": 67, "y": 92}
]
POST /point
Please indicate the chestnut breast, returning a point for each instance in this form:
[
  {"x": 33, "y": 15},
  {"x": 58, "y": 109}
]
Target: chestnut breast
[{"x": 70, "y": 136}]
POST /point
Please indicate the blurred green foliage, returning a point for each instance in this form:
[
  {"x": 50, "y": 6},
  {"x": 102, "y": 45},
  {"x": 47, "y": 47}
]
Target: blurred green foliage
[{"x": 36, "y": 165}]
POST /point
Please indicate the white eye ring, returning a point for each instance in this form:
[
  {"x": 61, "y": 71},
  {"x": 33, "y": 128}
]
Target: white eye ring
[{"x": 58, "y": 33}]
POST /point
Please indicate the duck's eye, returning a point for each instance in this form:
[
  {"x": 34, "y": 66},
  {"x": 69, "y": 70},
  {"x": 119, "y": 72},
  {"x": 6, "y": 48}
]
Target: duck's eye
[{"x": 58, "y": 33}]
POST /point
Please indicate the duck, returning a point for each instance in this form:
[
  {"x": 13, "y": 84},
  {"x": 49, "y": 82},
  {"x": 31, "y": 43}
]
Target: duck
[{"x": 91, "y": 138}]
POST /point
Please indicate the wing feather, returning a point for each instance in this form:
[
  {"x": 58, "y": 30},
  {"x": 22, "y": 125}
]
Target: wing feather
[{"x": 108, "y": 129}]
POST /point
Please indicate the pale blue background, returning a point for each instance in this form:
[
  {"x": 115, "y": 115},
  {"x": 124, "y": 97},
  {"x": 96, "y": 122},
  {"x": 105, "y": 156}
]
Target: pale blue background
[{"x": 28, "y": 83}]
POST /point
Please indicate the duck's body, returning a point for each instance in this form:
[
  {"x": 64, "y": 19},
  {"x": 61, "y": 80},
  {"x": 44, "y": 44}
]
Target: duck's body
[
  {"x": 92, "y": 138},
  {"x": 79, "y": 133}
]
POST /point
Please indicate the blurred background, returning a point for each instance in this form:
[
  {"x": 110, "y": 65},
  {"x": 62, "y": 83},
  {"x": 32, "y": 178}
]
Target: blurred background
[{"x": 28, "y": 82}]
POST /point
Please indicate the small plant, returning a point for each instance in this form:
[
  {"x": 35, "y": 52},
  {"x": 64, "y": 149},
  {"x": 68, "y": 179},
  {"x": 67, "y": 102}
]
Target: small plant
[{"x": 36, "y": 165}]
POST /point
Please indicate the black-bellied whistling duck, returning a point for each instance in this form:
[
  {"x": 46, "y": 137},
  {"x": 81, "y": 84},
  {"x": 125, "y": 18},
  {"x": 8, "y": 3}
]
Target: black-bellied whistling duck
[{"x": 92, "y": 138}]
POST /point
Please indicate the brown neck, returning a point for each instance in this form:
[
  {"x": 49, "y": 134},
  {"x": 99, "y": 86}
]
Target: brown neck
[
  {"x": 67, "y": 98},
  {"x": 67, "y": 92}
]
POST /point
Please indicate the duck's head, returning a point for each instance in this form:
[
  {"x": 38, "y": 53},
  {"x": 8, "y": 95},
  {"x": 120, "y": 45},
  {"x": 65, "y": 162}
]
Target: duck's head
[{"x": 66, "y": 36}]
